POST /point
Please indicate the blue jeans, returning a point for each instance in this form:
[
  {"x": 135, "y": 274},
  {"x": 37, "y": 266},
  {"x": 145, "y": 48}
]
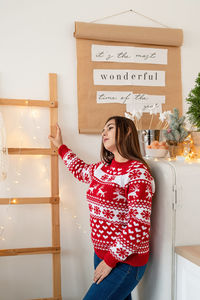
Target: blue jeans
[{"x": 118, "y": 284}]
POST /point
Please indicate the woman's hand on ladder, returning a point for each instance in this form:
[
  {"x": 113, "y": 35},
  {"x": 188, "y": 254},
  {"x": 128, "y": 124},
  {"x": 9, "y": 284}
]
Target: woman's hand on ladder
[{"x": 57, "y": 140}]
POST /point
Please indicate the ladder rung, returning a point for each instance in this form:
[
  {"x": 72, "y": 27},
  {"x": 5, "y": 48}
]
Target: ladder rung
[
  {"x": 29, "y": 251},
  {"x": 54, "y": 298},
  {"x": 38, "y": 200},
  {"x": 32, "y": 151},
  {"x": 27, "y": 102}
]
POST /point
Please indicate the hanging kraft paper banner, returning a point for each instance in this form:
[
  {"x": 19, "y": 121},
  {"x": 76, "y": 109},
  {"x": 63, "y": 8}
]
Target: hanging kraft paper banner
[{"x": 122, "y": 66}]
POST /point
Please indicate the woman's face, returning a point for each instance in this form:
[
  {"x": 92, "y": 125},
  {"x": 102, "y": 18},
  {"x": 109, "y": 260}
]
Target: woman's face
[{"x": 108, "y": 135}]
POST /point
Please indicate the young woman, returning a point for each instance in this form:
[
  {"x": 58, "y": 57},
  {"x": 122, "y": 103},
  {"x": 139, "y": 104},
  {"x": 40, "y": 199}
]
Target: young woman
[{"x": 119, "y": 198}]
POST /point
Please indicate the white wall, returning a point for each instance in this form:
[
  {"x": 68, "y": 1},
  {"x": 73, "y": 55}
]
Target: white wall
[{"x": 36, "y": 38}]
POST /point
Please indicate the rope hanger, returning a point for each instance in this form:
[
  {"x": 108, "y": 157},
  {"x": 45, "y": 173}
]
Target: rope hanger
[{"x": 130, "y": 11}]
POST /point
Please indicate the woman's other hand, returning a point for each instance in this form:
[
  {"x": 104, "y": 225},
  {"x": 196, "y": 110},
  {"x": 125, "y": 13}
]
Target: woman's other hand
[
  {"x": 102, "y": 270},
  {"x": 57, "y": 140}
]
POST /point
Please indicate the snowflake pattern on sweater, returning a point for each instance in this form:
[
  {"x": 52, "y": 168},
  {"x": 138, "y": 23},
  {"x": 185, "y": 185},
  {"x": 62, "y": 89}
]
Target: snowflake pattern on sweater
[{"x": 119, "y": 199}]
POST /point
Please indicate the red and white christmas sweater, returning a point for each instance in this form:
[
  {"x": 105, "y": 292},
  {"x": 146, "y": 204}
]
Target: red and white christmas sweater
[{"x": 120, "y": 201}]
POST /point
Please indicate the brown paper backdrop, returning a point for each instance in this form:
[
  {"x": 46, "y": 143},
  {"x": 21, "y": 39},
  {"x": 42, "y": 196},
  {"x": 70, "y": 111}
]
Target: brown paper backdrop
[{"x": 92, "y": 115}]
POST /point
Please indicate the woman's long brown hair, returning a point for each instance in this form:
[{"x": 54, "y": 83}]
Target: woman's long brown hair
[{"x": 126, "y": 140}]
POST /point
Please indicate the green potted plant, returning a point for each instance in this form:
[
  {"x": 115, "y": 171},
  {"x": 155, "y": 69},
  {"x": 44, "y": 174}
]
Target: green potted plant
[
  {"x": 176, "y": 133},
  {"x": 193, "y": 112}
]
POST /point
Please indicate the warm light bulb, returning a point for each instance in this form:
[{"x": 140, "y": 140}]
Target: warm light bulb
[
  {"x": 14, "y": 201},
  {"x": 16, "y": 181},
  {"x": 186, "y": 158},
  {"x": 35, "y": 113},
  {"x": 43, "y": 169}
]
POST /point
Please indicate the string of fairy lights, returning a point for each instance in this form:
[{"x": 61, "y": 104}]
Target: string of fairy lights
[{"x": 34, "y": 115}]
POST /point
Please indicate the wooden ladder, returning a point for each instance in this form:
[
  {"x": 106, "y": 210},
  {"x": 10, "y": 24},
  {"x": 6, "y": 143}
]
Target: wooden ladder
[{"x": 54, "y": 200}]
